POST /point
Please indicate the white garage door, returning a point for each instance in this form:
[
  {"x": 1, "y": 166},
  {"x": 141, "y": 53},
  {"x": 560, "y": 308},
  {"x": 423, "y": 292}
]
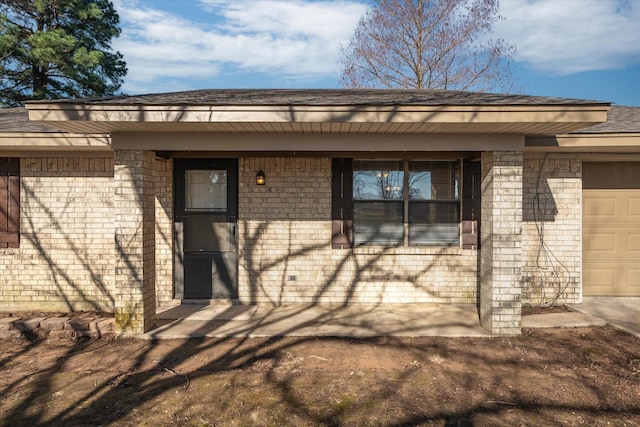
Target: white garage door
[{"x": 611, "y": 228}]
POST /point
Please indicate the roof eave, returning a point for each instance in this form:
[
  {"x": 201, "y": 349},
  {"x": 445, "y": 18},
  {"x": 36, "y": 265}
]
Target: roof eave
[
  {"x": 613, "y": 142},
  {"x": 538, "y": 119},
  {"x": 54, "y": 141}
]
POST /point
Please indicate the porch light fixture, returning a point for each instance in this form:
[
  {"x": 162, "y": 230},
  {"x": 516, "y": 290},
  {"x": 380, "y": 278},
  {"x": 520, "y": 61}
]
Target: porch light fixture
[{"x": 260, "y": 178}]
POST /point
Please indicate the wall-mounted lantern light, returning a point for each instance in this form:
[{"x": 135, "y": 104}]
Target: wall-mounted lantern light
[{"x": 260, "y": 178}]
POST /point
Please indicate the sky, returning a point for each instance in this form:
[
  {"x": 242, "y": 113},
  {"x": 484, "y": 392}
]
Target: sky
[{"x": 586, "y": 49}]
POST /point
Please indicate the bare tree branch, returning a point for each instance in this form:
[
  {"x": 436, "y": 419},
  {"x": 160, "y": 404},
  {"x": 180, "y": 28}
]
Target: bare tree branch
[{"x": 428, "y": 44}]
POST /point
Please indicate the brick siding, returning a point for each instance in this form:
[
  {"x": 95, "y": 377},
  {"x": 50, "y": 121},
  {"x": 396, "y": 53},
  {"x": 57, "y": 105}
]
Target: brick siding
[
  {"x": 552, "y": 229},
  {"x": 164, "y": 230},
  {"x": 501, "y": 259},
  {"x": 285, "y": 247},
  {"x": 66, "y": 255},
  {"x": 134, "y": 203}
]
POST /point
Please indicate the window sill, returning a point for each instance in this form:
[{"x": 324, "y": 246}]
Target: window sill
[{"x": 409, "y": 250}]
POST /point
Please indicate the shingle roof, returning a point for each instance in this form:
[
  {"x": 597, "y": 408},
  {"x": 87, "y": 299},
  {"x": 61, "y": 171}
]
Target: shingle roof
[
  {"x": 620, "y": 119},
  {"x": 320, "y": 97},
  {"x": 17, "y": 120}
]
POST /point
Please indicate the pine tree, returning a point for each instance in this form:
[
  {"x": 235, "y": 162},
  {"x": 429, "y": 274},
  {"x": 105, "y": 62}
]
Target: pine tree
[{"x": 51, "y": 49}]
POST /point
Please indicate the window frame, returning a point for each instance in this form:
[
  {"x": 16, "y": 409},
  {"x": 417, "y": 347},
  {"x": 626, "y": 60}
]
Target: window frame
[
  {"x": 407, "y": 201},
  {"x": 390, "y": 203}
]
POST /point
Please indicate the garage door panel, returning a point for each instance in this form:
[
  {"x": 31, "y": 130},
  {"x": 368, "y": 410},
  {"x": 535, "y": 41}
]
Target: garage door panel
[
  {"x": 600, "y": 277},
  {"x": 612, "y": 243},
  {"x": 633, "y": 245},
  {"x": 604, "y": 279},
  {"x": 633, "y": 207},
  {"x": 615, "y": 207},
  {"x": 600, "y": 208},
  {"x": 611, "y": 228},
  {"x": 633, "y": 279},
  {"x": 600, "y": 243}
]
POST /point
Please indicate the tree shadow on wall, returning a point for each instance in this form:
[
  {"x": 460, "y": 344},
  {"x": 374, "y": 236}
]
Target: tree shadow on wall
[
  {"x": 86, "y": 285},
  {"x": 153, "y": 371}
]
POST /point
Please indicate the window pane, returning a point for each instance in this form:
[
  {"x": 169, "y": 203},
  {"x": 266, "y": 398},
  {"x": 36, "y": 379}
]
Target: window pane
[
  {"x": 378, "y": 222},
  {"x": 206, "y": 190},
  {"x": 434, "y": 223},
  {"x": 433, "y": 180},
  {"x": 207, "y": 233},
  {"x": 378, "y": 180}
]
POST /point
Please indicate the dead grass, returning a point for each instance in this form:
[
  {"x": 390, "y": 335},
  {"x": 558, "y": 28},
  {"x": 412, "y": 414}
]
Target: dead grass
[{"x": 545, "y": 377}]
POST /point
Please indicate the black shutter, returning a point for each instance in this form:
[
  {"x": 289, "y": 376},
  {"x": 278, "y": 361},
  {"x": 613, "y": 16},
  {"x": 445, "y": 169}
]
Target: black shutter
[
  {"x": 341, "y": 203},
  {"x": 9, "y": 202},
  {"x": 471, "y": 206}
]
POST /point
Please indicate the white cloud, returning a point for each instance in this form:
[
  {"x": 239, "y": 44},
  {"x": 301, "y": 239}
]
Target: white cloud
[
  {"x": 297, "y": 39},
  {"x": 560, "y": 37}
]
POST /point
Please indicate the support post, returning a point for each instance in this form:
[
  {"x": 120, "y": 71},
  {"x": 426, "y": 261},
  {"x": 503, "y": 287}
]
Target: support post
[
  {"x": 501, "y": 257},
  {"x": 135, "y": 241}
]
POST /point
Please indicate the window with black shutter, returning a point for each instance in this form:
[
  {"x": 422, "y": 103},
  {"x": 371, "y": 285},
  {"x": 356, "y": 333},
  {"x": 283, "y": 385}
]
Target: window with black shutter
[
  {"x": 405, "y": 202},
  {"x": 9, "y": 202},
  {"x": 341, "y": 203}
]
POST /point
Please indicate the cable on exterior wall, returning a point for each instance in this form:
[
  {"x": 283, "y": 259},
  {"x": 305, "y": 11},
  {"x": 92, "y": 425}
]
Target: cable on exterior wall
[{"x": 546, "y": 260}]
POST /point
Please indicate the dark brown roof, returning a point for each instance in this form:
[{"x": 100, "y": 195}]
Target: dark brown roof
[
  {"x": 17, "y": 120},
  {"x": 320, "y": 97},
  {"x": 620, "y": 119}
]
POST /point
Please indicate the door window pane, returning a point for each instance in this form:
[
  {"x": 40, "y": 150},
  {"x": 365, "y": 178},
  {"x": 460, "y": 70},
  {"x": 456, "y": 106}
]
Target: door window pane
[
  {"x": 378, "y": 180},
  {"x": 208, "y": 233},
  {"x": 206, "y": 190}
]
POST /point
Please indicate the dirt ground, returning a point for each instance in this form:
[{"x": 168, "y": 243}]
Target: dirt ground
[{"x": 588, "y": 376}]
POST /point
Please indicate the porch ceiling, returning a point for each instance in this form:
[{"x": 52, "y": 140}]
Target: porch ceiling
[{"x": 402, "y": 119}]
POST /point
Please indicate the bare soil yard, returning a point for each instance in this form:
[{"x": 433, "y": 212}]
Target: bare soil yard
[{"x": 587, "y": 376}]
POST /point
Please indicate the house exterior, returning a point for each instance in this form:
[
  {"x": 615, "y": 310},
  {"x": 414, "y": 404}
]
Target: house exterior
[{"x": 317, "y": 197}]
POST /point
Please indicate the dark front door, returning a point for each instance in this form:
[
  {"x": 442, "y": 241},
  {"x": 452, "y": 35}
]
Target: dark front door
[{"x": 205, "y": 220}]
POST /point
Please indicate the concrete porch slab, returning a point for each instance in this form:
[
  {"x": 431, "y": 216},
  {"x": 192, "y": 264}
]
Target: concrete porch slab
[
  {"x": 207, "y": 312},
  {"x": 301, "y": 320}
]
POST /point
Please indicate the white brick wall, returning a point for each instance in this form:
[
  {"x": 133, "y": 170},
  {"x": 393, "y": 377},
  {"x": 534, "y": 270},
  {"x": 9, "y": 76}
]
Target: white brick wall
[
  {"x": 66, "y": 259},
  {"x": 552, "y": 271},
  {"x": 285, "y": 247},
  {"x": 501, "y": 259},
  {"x": 66, "y": 255},
  {"x": 135, "y": 262},
  {"x": 164, "y": 230}
]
